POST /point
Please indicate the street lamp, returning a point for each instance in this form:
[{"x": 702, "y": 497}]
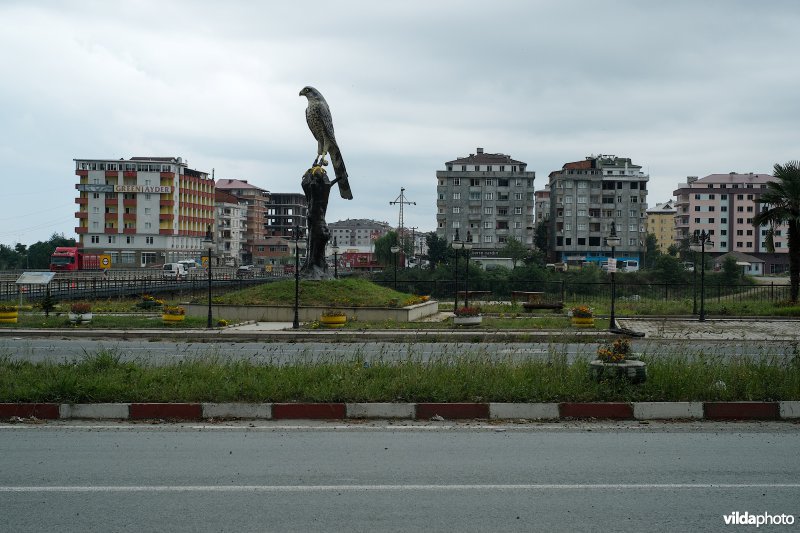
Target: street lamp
[
  {"x": 694, "y": 279},
  {"x": 394, "y": 250},
  {"x": 298, "y": 243},
  {"x": 457, "y": 245},
  {"x": 335, "y": 250},
  {"x": 467, "y": 249},
  {"x": 699, "y": 244},
  {"x": 208, "y": 244},
  {"x": 613, "y": 240}
]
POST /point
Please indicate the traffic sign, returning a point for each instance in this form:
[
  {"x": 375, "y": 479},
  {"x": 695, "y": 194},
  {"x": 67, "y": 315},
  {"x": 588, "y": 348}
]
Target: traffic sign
[{"x": 105, "y": 261}]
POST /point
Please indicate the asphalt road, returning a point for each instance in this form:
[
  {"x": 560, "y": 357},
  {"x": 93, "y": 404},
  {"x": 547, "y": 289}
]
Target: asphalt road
[
  {"x": 377, "y": 477},
  {"x": 167, "y": 352}
]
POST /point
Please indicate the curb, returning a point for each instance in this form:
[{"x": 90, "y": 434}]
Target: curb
[{"x": 789, "y": 410}]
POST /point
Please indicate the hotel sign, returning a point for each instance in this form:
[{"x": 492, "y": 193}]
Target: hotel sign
[{"x": 144, "y": 189}]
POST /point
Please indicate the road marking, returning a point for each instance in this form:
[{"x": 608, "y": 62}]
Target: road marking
[{"x": 368, "y": 488}]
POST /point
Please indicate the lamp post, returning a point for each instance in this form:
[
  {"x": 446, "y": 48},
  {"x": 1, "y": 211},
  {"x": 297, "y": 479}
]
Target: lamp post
[
  {"x": 335, "y": 250},
  {"x": 613, "y": 240},
  {"x": 208, "y": 244},
  {"x": 395, "y": 248},
  {"x": 298, "y": 243},
  {"x": 694, "y": 280},
  {"x": 700, "y": 241},
  {"x": 467, "y": 249},
  {"x": 457, "y": 246}
]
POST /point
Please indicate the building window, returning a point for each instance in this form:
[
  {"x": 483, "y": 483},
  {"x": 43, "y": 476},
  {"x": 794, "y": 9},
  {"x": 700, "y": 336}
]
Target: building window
[
  {"x": 456, "y": 224},
  {"x": 456, "y": 210},
  {"x": 148, "y": 240},
  {"x": 112, "y": 239},
  {"x": 487, "y": 210},
  {"x": 517, "y": 210},
  {"x": 474, "y": 195},
  {"x": 456, "y": 181},
  {"x": 489, "y": 182},
  {"x": 456, "y": 196},
  {"x": 95, "y": 239},
  {"x": 487, "y": 224},
  {"x": 474, "y": 182},
  {"x": 487, "y": 238},
  {"x": 488, "y": 196},
  {"x": 634, "y": 199}
]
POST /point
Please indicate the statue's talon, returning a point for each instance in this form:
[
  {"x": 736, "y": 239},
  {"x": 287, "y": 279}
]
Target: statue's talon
[{"x": 323, "y": 163}]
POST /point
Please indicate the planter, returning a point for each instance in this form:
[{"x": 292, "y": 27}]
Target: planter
[
  {"x": 8, "y": 317},
  {"x": 467, "y": 320},
  {"x": 632, "y": 370},
  {"x": 80, "y": 318},
  {"x": 581, "y": 322},
  {"x": 335, "y": 321},
  {"x": 172, "y": 318}
]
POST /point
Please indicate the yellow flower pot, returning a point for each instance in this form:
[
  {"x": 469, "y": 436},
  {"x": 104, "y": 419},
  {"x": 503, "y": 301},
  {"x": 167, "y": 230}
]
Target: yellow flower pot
[
  {"x": 8, "y": 317},
  {"x": 173, "y": 318},
  {"x": 336, "y": 321},
  {"x": 580, "y": 322}
]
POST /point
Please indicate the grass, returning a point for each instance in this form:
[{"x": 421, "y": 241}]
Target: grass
[
  {"x": 349, "y": 292},
  {"x": 134, "y": 321},
  {"x": 104, "y": 377}
]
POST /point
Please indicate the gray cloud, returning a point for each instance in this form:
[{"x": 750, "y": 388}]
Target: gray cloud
[{"x": 683, "y": 88}]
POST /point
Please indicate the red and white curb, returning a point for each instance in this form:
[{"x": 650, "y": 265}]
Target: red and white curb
[{"x": 409, "y": 411}]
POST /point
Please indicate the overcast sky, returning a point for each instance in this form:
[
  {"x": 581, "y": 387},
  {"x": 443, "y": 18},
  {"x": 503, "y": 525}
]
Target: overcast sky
[{"x": 682, "y": 88}]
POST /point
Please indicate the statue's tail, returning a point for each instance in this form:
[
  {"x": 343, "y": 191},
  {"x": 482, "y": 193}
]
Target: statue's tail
[{"x": 341, "y": 173}]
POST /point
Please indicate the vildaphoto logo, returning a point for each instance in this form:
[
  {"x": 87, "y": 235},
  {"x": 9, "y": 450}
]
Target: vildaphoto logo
[{"x": 764, "y": 519}]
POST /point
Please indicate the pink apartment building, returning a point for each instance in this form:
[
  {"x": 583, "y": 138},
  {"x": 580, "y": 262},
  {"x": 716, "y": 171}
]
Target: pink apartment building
[{"x": 724, "y": 206}]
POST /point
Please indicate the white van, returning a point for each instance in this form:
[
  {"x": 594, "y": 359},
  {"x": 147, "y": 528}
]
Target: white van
[{"x": 173, "y": 271}]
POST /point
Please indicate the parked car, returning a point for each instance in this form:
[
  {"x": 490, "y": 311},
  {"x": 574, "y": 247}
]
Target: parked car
[
  {"x": 245, "y": 271},
  {"x": 173, "y": 271}
]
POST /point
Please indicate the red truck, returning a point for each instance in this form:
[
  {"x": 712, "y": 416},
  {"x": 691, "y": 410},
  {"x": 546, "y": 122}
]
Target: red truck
[{"x": 71, "y": 258}]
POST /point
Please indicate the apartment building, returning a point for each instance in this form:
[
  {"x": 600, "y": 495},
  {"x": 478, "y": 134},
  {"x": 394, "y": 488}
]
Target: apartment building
[
  {"x": 231, "y": 228},
  {"x": 256, "y": 199},
  {"x": 486, "y": 198},
  {"x": 661, "y": 223},
  {"x": 586, "y": 197},
  {"x": 144, "y": 210},
  {"x": 358, "y": 233},
  {"x": 542, "y": 198},
  {"x": 723, "y": 205}
]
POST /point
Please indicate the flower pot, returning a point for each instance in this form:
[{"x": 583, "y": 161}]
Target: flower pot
[
  {"x": 467, "y": 320},
  {"x": 583, "y": 322},
  {"x": 632, "y": 370},
  {"x": 8, "y": 317},
  {"x": 172, "y": 318},
  {"x": 334, "y": 321},
  {"x": 80, "y": 318}
]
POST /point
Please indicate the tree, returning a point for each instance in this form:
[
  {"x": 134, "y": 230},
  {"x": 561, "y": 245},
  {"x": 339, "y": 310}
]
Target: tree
[
  {"x": 383, "y": 248},
  {"x": 438, "y": 250},
  {"x": 651, "y": 251},
  {"x": 515, "y": 250},
  {"x": 540, "y": 236},
  {"x": 782, "y": 202}
]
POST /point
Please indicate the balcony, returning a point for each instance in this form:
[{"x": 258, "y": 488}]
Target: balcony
[
  {"x": 82, "y": 173},
  {"x": 111, "y": 173},
  {"x": 129, "y": 203},
  {"x": 129, "y": 217},
  {"x": 166, "y": 203},
  {"x": 81, "y": 230},
  {"x": 81, "y": 214},
  {"x": 129, "y": 174},
  {"x": 166, "y": 217},
  {"x": 82, "y": 201},
  {"x": 111, "y": 231},
  {"x": 111, "y": 216},
  {"x": 165, "y": 232},
  {"x": 111, "y": 202},
  {"x": 129, "y": 231}
]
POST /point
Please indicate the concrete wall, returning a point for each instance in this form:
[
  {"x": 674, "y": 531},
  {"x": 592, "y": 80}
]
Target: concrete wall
[{"x": 285, "y": 313}]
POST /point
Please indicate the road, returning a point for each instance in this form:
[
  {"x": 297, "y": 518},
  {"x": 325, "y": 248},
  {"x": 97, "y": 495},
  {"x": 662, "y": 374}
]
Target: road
[
  {"x": 395, "y": 477},
  {"x": 166, "y": 352}
]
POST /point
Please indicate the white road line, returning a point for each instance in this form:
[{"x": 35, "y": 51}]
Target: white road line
[{"x": 367, "y": 488}]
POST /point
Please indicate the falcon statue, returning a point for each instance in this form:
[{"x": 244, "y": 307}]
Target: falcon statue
[{"x": 318, "y": 117}]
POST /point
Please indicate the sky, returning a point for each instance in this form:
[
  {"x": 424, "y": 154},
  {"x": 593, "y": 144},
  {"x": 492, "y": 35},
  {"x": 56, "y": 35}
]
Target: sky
[{"x": 682, "y": 88}]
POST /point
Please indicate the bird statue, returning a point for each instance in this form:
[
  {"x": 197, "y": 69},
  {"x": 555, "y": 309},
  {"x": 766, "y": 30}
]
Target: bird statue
[{"x": 318, "y": 117}]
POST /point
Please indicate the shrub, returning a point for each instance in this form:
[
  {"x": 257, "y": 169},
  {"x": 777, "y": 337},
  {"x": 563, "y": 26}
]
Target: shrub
[
  {"x": 80, "y": 308},
  {"x": 582, "y": 311},
  {"x": 176, "y": 310},
  {"x": 468, "y": 311}
]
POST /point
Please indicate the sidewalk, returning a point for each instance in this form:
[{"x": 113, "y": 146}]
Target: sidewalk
[{"x": 667, "y": 328}]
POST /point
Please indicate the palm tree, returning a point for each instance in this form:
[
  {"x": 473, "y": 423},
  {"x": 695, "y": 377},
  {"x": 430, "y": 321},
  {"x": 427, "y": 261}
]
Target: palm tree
[{"x": 782, "y": 200}]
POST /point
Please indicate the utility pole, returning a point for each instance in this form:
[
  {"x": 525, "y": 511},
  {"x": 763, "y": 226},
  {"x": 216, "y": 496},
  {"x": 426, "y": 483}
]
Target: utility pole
[{"x": 401, "y": 201}]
